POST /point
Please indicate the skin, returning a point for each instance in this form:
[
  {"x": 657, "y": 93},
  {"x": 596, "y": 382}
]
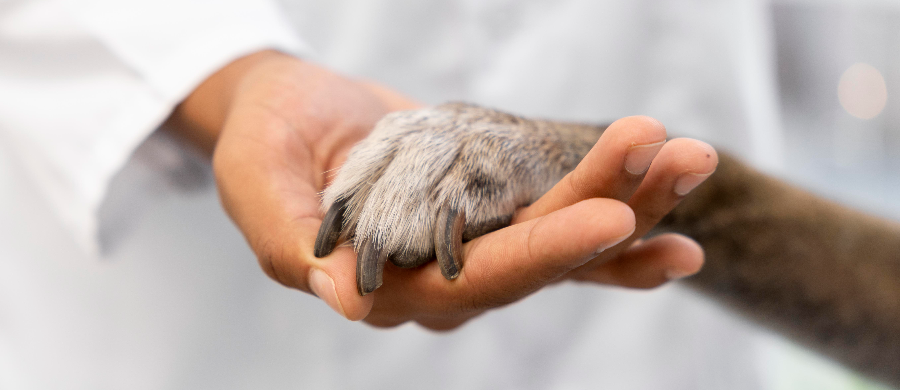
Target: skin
[{"x": 274, "y": 125}]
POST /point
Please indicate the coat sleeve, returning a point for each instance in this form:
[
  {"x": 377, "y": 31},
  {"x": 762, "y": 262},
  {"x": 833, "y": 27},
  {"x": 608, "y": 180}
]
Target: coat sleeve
[{"x": 84, "y": 82}]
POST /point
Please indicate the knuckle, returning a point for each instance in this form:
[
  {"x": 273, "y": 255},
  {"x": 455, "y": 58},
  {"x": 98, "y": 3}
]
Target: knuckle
[{"x": 578, "y": 185}]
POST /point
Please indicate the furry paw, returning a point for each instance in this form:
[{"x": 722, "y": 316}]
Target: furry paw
[{"x": 424, "y": 181}]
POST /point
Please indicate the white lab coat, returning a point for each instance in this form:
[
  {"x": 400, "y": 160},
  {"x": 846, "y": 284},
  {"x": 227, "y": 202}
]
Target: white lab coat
[{"x": 119, "y": 270}]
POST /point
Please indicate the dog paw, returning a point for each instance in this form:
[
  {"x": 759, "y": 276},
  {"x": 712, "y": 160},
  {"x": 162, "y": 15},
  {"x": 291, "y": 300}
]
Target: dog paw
[{"x": 425, "y": 181}]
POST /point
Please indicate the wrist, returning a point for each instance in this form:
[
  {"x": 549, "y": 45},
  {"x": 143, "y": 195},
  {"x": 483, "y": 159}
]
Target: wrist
[{"x": 200, "y": 117}]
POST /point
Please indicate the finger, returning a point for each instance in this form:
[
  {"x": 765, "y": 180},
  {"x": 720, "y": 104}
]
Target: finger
[
  {"x": 612, "y": 169},
  {"x": 681, "y": 165},
  {"x": 334, "y": 280},
  {"x": 274, "y": 201},
  {"x": 508, "y": 264},
  {"x": 287, "y": 258},
  {"x": 649, "y": 264}
]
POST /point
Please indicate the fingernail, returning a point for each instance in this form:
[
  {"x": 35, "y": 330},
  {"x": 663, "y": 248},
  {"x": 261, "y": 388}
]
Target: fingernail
[
  {"x": 323, "y": 286},
  {"x": 613, "y": 242},
  {"x": 638, "y": 158},
  {"x": 675, "y": 274},
  {"x": 688, "y": 181}
]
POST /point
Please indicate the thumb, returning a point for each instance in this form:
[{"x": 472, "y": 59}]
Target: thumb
[
  {"x": 284, "y": 248},
  {"x": 333, "y": 279}
]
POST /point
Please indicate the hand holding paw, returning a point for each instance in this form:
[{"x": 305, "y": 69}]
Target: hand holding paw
[{"x": 277, "y": 125}]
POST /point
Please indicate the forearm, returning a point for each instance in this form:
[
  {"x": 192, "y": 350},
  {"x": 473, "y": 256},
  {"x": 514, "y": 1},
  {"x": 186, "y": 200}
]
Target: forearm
[{"x": 825, "y": 274}]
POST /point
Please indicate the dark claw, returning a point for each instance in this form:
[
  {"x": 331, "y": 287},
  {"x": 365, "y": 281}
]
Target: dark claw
[
  {"x": 369, "y": 268},
  {"x": 330, "y": 231},
  {"x": 448, "y": 240}
]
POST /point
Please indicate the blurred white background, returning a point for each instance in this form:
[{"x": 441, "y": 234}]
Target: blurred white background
[
  {"x": 802, "y": 89},
  {"x": 850, "y": 150}
]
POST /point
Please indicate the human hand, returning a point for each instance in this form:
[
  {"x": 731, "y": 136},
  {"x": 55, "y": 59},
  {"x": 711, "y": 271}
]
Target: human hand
[{"x": 285, "y": 122}]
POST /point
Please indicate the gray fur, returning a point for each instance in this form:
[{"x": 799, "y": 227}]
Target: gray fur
[{"x": 483, "y": 162}]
